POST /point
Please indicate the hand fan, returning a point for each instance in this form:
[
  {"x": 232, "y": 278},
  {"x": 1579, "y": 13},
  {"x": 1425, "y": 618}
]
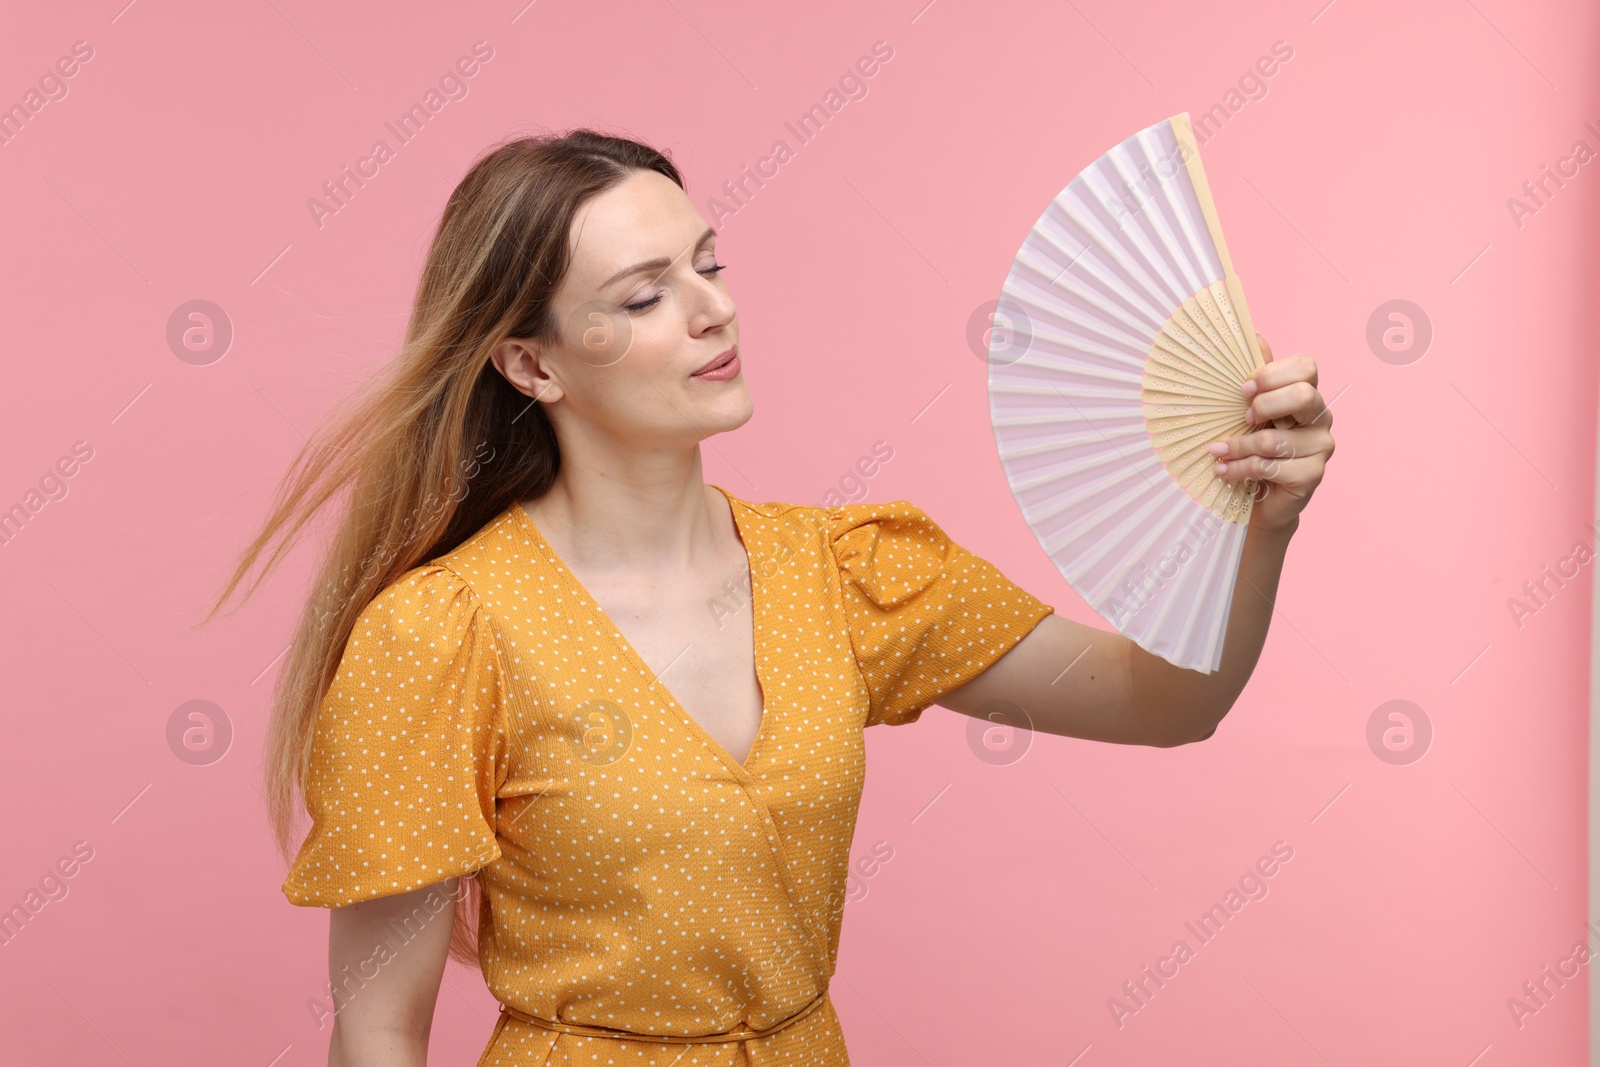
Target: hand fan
[{"x": 1121, "y": 340}]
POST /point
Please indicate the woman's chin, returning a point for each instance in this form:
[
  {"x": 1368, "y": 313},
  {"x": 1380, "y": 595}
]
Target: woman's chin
[{"x": 724, "y": 413}]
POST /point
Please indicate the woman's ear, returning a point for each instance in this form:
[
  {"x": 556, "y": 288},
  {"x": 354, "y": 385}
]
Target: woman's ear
[{"x": 523, "y": 363}]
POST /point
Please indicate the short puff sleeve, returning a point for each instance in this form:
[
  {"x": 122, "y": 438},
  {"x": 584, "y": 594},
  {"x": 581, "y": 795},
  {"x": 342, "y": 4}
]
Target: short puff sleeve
[
  {"x": 925, "y": 615},
  {"x": 408, "y": 750}
]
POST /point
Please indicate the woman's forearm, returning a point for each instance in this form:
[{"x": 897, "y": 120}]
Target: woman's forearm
[{"x": 1201, "y": 700}]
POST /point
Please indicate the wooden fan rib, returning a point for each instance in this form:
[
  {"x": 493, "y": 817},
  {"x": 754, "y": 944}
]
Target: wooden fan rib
[
  {"x": 1183, "y": 417},
  {"x": 1182, "y": 460},
  {"x": 1169, "y": 394},
  {"x": 1175, "y": 433},
  {"x": 1237, "y": 355},
  {"x": 1183, "y": 344},
  {"x": 1222, "y": 500},
  {"x": 1159, "y": 410},
  {"x": 1230, "y": 321},
  {"x": 1163, "y": 379},
  {"x": 1197, "y": 320},
  {"x": 1242, "y": 313},
  {"x": 1173, "y": 360},
  {"x": 1189, "y": 326},
  {"x": 1212, "y": 357},
  {"x": 1186, "y": 342},
  {"x": 1179, "y": 440},
  {"x": 1201, "y": 429}
]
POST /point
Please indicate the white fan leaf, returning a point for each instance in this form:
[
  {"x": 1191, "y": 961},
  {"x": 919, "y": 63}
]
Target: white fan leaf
[{"x": 1130, "y": 343}]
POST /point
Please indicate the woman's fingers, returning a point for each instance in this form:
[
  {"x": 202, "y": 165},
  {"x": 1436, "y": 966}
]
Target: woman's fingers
[
  {"x": 1285, "y": 387},
  {"x": 1297, "y": 476},
  {"x": 1281, "y": 372},
  {"x": 1265, "y": 454},
  {"x": 1291, "y": 461},
  {"x": 1299, "y": 400}
]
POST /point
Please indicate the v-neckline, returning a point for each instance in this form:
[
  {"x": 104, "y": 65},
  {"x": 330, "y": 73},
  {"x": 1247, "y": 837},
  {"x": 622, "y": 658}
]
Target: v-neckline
[{"x": 742, "y": 767}]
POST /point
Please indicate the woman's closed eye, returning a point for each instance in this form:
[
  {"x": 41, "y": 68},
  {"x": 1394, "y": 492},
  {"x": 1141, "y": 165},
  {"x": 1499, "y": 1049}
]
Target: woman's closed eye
[{"x": 644, "y": 305}]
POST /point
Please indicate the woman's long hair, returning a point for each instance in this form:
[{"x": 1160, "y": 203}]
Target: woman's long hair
[{"x": 437, "y": 443}]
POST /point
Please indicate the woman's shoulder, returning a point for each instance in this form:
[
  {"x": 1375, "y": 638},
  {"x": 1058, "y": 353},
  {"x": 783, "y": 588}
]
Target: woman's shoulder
[
  {"x": 856, "y": 529},
  {"x": 433, "y": 579},
  {"x": 467, "y": 574},
  {"x": 431, "y": 600},
  {"x": 834, "y": 520},
  {"x": 885, "y": 547}
]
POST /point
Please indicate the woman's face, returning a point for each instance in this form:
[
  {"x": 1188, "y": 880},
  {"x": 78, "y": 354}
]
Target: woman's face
[{"x": 642, "y": 308}]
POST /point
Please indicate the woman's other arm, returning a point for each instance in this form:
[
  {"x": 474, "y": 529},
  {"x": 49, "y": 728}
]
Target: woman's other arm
[{"x": 386, "y": 957}]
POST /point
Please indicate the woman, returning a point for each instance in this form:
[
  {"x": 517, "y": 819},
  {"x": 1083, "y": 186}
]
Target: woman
[{"x": 617, "y": 712}]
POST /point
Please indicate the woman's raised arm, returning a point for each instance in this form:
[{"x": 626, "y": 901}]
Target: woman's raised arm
[{"x": 1084, "y": 682}]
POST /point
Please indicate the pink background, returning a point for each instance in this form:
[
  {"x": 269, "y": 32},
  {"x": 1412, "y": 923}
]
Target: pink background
[{"x": 1020, "y": 897}]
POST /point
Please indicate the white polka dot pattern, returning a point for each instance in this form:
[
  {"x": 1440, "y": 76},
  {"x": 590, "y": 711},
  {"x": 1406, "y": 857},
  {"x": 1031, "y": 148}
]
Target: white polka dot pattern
[
  {"x": 665, "y": 888},
  {"x": 409, "y": 748},
  {"x": 925, "y": 614}
]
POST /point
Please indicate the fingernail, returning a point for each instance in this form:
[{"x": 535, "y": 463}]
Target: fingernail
[
  {"x": 1218, "y": 448},
  {"x": 1249, "y": 387},
  {"x": 1220, "y": 468}
]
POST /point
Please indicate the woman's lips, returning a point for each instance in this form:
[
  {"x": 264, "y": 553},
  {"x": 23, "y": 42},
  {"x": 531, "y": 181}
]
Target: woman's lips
[{"x": 722, "y": 373}]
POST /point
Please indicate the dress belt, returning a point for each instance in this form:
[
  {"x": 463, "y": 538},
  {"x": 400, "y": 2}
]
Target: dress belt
[{"x": 580, "y": 1030}]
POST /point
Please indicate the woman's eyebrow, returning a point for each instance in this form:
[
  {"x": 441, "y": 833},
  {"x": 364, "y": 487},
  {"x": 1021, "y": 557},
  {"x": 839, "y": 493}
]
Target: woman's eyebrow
[{"x": 659, "y": 263}]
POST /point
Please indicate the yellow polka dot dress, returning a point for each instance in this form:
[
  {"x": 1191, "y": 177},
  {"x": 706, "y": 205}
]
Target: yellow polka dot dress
[{"x": 647, "y": 898}]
